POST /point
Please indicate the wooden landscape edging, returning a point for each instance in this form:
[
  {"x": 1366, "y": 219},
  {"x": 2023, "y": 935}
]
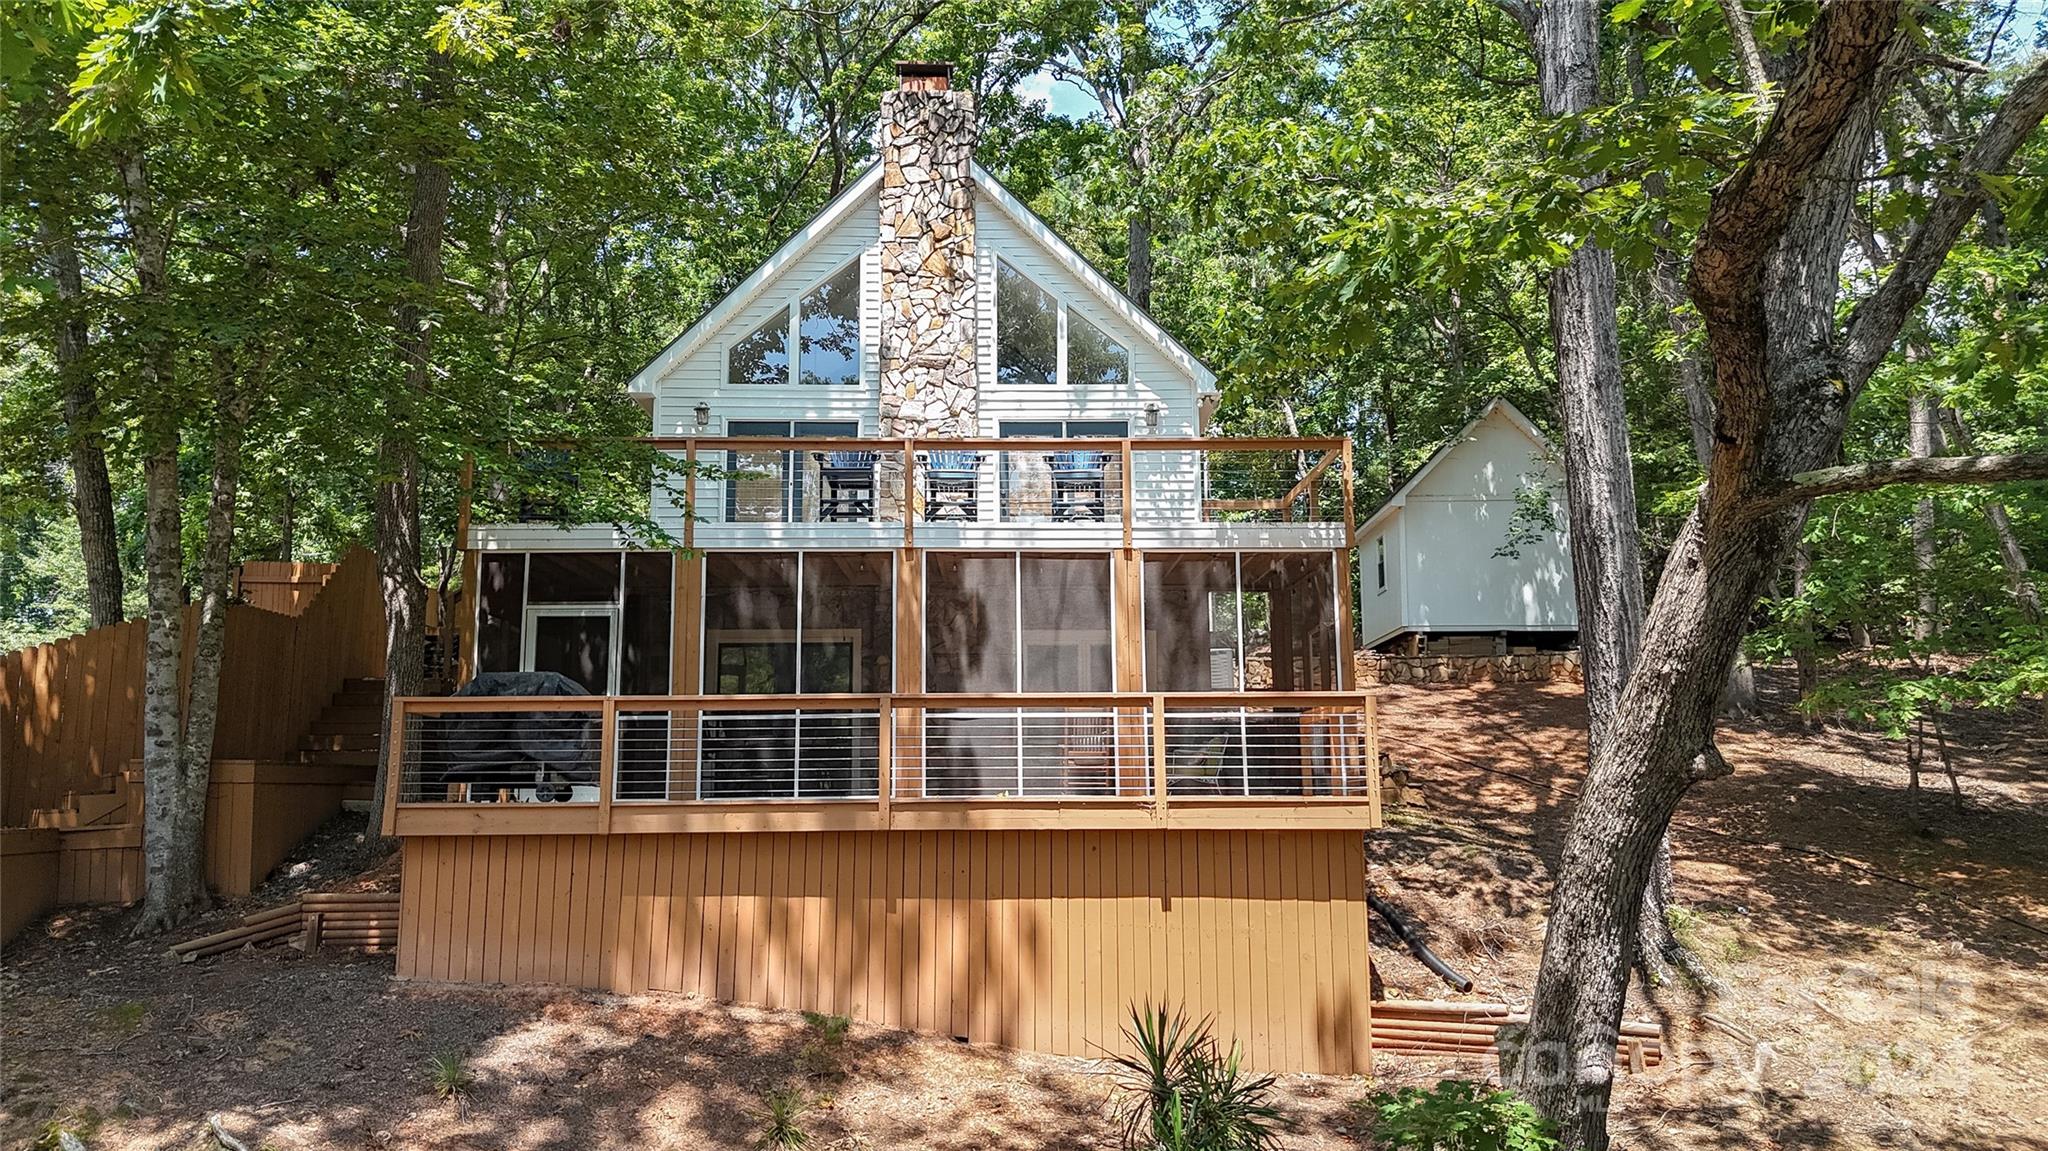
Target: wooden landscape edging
[
  {"x": 1438, "y": 1027},
  {"x": 361, "y": 919}
]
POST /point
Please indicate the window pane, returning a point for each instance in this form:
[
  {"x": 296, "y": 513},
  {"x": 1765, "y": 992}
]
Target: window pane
[
  {"x": 573, "y": 577},
  {"x": 970, "y": 622},
  {"x": 1191, "y": 623},
  {"x": 750, "y": 624},
  {"x": 644, "y": 635},
  {"x": 828, "y": 330},
  {"x": 1027, "y": 332},
  {"x": 501, "y": 603},
  {"x": 849, "y": 622},
  {"x": 1065, "y": 618},
  {"x": 1093, "y": 359},
  {"x": 763, "y": 357}
]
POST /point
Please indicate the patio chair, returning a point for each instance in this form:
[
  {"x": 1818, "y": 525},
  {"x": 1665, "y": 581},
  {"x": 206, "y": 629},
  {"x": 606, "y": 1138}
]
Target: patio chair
[
  {"x": 1078, "y": 479},
  {"x": 849, "y": 479},
  {"x": 951, "y": 484}
]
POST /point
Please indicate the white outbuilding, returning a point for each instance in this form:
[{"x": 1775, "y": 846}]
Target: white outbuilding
[{"x": 1472, "y": 555}]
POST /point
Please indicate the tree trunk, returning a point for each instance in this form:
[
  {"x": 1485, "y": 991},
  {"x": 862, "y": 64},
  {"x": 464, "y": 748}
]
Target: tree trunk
[
  {"x": 1607, "y": 558},
  {"x": 174, "y": 865},
  {"x": 1921, "y": 441},
  {"x": 1765, "y": 273},
  {"x": 1138, "y": 259},
  {"x": 398, "y": 459},
  {"x": 202, "y": 696},
  {"x": 1667, "y": 285},
  {"x": 2024, "y": 592},
  {"x": 92, "y": 494}
]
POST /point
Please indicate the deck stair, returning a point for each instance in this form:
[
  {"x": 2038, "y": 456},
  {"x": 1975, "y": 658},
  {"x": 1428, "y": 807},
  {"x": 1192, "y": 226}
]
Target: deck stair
[
  {"x": 117, "y": 806},
  {"x": 348, "y": 732}
]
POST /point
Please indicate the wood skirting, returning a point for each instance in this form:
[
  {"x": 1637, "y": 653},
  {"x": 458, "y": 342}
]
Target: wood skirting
[{"x": 1032, "y": 939}]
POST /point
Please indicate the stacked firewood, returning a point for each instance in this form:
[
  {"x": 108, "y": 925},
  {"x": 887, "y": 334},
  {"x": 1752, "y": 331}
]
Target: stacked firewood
[
  {"x": 362, "y": 919},
  {"x": 1418, "y": 1027}
]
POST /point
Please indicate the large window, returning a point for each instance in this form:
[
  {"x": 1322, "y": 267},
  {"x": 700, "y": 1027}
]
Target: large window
[
  {"x": 1041, "y": 342},
  {"x": 814, "y": 339},
  {"x": 802, "y": 623}
]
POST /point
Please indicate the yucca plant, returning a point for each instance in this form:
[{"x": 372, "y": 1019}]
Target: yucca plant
[
  {"x": 1184, "y": 1094},
  {"x": 780, "y": 1110}
]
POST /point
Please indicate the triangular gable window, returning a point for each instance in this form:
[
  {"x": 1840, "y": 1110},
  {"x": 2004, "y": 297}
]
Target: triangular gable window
[
  {"x": 1043, "y": 343},
  {"x": 813, "y": 340}
]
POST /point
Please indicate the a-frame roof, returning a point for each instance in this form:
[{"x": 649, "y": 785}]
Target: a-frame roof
[
  {"x": 1501, "y": 407},
  {"x": 990, "y": 191}
]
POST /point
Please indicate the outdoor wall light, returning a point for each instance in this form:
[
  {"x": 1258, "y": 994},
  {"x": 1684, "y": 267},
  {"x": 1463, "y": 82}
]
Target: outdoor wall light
[
  {"x": 703, "y": 416},
  {"x": 1152, "y": 414}
]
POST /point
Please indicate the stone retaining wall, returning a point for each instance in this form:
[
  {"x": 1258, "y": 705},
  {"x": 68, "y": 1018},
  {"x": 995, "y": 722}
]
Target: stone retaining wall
[{"x": 1529, "y": 667}]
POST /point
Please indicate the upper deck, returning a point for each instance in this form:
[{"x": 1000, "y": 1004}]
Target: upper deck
[{"x": 738, "y": 492}]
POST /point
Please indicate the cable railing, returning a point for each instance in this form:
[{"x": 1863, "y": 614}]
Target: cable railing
[
  {"x": 1128, "y": 483},
  {"x": 562, "y": 752}
]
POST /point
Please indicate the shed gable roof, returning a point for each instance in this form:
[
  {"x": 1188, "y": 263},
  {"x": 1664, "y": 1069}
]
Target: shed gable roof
[
  {"x": 1501, "y": 408},
  {"x": 992, "y": 193}
]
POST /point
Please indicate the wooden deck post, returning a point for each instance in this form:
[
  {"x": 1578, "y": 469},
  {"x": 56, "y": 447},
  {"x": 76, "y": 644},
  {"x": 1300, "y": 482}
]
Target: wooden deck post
[
  {"x": 1159, "y": 754},
  {"x": 607, "y": 760},
  {"x": 885, "y": 756},
  {"x": 394, "y": 765},
  {"x": 1372, "y": 758}
]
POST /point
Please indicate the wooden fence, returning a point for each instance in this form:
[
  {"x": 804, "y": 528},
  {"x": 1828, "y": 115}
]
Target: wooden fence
[
  {"x": 285, "y": 588},
  {"x": 71, "y": 711}
]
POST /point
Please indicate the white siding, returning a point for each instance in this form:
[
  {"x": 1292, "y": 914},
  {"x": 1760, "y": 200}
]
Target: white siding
[
  {"x": 1443, "y": 573},
  {"x": 1165, "y": 486},
  {"x": 701, "y": 376},
  {"x": 1154, "y": 379},
  {"x": 1380, "y": 609}
]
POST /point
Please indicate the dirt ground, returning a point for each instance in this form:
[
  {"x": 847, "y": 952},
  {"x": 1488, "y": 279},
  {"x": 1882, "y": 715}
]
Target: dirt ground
[{"x": 1886, "y": 975}]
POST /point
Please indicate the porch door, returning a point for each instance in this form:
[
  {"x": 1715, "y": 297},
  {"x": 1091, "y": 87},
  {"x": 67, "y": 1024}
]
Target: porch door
[{"x": 580, "y": 641}]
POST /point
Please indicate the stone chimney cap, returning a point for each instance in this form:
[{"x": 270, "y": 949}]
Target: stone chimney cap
[{"x": 923, "y": 75}]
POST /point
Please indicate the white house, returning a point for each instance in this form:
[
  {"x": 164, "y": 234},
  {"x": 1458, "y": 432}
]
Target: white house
[{"x": 1464, "y": 551}]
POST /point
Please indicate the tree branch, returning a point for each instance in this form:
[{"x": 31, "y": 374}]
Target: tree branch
[
  {"x": 1918, "y": 470},
  {"x": 1874, "y": 325}
]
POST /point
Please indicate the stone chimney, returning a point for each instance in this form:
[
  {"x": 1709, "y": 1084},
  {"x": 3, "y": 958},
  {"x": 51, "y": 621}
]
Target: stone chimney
[{"x": 927, "y": 137}]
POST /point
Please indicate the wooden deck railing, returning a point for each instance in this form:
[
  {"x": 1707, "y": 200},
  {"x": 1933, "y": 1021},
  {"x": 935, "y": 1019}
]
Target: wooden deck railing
[{"x": 531, "y": 765}]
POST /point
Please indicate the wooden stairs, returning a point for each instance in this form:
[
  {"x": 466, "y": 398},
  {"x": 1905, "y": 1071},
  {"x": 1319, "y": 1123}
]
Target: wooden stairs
[{"x": 345, "y": 734}]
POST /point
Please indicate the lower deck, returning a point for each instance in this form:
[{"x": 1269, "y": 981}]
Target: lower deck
[{"x": 1033, "y": 939}]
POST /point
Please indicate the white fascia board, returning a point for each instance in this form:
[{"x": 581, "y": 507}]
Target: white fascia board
[
  {"x": 648, "y": 379},
  {"x": 1107, "y": 294}
]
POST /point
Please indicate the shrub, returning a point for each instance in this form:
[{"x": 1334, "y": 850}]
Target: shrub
[
  {"x": 1457, "y": 1115},
  {"x": 1185, "y": 1094},
  {"x": 828, "y": 1029},
  {"x": 447, "y": 1075},
  {"x": 780, "y": 1110}
]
